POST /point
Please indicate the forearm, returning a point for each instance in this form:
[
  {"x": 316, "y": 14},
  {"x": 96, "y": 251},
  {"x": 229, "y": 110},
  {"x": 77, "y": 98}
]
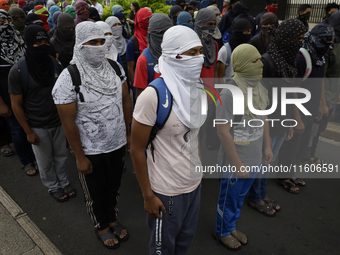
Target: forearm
[
  {"x": 131, "y": 67},
  {"x": 267, "y": 141},
  {"x": 73, "y": 137},
  {"x": 21, "y": 117},
  {"x": 127, "y": 108},
  {"x": 296, "y": 111},
  {"x": 229, "y": 147},
  {"x": 323, "y": 98}
]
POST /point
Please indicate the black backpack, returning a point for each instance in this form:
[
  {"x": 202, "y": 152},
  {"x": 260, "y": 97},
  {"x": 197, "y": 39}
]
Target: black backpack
[{"x": 75, "y": 75}]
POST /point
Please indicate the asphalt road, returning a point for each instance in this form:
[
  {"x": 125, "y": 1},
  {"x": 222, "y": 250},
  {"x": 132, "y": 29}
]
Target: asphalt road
[{"x": 308, "y": 223}]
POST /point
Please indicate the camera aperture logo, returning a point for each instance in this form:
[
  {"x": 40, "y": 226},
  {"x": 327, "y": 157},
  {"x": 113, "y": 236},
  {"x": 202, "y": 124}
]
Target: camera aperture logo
[{"x": 209, "y": 93}]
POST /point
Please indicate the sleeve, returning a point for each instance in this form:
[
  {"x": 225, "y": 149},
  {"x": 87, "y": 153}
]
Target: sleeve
[
  {"x": 146, "y": 107},
  {"x": 225, "y": 111},
  {"x": 14, "y": 81},
  {"x": 63, "y": 91},
  {"x": 141, "y": 73},
  {"x": 300, "y": 65},
  {"x": 223, "y": 55},
  {"x": 100, "y": 10},
  {"x": 130, "y": 56}
]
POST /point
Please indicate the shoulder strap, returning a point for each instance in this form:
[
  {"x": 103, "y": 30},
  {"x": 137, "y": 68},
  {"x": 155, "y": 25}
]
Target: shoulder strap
[
  {"x": 23, "y": 74},
  {"x": 308, "y": 60},
  {"x": 115, "y": 66},
  {"x": 75, "y": 75},
  {"x": 150, "y": 64},
  {"x": 227, "y": 45},
  {"x": 164, "y": 107}
]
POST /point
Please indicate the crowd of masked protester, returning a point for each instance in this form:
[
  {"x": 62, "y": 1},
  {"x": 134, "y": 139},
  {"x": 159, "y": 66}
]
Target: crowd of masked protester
[{"x": 66, "y": 72}]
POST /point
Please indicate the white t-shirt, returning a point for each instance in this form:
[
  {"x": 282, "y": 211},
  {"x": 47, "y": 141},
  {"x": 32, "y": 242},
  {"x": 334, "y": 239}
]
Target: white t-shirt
[
  {"x": 100, "y": 118},
  {"x": 176, "y": 150},
  {"x": 99, "y": 8},
  {"x": 223, "y": 57}
]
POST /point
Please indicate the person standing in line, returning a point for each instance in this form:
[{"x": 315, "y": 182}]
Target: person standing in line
[
  {"x": 96, "y": 119},
  {"x": 170, "y": 186}
]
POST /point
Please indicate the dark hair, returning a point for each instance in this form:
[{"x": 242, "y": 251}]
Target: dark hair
[
  {"x": 193, "y": 3},
  {"x": 132, "y": 15},
  {"x": 304, "y": 7},
  {"x": 178, "y": 2},
  {"x": 212, "y": 2},
  {"x": 269, "y": 2},
  {"x": 330, "y": 6},
  {"x": 234, "y": 1},
  {"x": 189, "y": 9}
]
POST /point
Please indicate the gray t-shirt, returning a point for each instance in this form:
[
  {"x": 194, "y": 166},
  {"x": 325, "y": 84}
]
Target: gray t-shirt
[
  {"x": 223, "y": 58},
  {"x": 248, "y": 140}
]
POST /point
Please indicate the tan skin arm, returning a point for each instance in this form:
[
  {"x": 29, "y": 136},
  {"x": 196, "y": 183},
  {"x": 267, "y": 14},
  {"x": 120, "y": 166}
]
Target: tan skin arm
[
  {"x": 127, "y": 109},
  {"x": 131, "y": 69},
  {"x": 5, "y": 110},
  {"x": 267, "y": 144},
  {"x": 139, "y": 91}
]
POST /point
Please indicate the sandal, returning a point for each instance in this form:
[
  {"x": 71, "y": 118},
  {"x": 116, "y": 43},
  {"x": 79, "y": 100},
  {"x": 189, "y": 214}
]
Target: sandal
[
  {"x": 107, "y": 236},
  {"x": 35, "y": 164},
  {"x": 68, "y": 190},
  {"x": 265, "y": 209},
  {"x": 239, "y": 236},
  {"x": 298, "y": 182},
  {"x": 227, "y": 241},
  {"x": 30, "y": 168},
  {"x": 287, "y": 186},
  {"x": 117, "y": 230},
  {"x": 58, "y": 194},
  {"x": 272, "y": 203},
  {"x": 316, "y": 160},
  {"x": 12, "y": 146},
  {"x": 6, "y": 151}
]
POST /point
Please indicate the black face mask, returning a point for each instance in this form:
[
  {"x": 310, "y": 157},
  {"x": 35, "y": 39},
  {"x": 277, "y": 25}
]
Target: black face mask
[
  {"x": 305, "y": 17},
  {"x": 238, "y": 38},
  {"x": 267, "y": 31},
  {"x": 38, "y": 53}
]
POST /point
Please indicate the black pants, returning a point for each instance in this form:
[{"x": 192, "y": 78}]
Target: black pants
[
  {"x": 5, "y": 133},
  {"x": 101, "y": 187}
]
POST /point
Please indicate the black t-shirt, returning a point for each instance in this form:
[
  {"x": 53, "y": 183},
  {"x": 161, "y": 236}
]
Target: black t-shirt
[
  {"x": 38, "y": 104},
  {"x": 4, "y": 71},
  {"x": 271, "y": 81},
  {"x": 313, "y": 84}
]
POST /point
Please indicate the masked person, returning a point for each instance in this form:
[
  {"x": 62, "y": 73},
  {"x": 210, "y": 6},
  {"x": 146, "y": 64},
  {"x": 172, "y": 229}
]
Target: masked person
[
  {"x": 241, "y": 12},
  {"x": 96, "y": 122},
  {"x": 82, "y": 10},
  {"x": 317, "y": 43},
  {"x": 185, "y": 19},
  {"x": 240, "y": 34},
  {"x": 94, "y": 15},
  {"x": 304, "y": 14},
  {"x": 12, "y": 49},
  {"x": 49, "y": 4},
  {"x": 332, "y": 90},
  {"x": 172, "y": 205},
  {"x": 263, "y": 39},
  {"x": 52, "y": 10},
  {"x": 41, "y": 11},
  {"x": 226, "y": 21},
  {"x": 33, "y": 19},
  {"x": 241, "y": 145},
  {"x": 116, "y": 8},
  {"x": 21, "y": 3},
  {"x": 331, "y": 8},
  {"x": 4, "y": 5},
  {"x": 280, "y": 62},
  {"x": 217, "y": 34},
  {"x": 158, "y": 24},
  {"x": 71, "y": 10},
  {"x": 18, "y": 17},
  {"x": 36, "y": 112},
  {"x": 174, "y": 12},
  {"x": 126, "y": 27},
  {"x": 111, "y": 51},
  {"x": 272, "y": 6},
  {"x": 63, "y": 39}
]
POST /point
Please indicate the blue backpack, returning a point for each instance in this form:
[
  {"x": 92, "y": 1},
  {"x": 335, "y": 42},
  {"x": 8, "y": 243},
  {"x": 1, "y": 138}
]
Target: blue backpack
[
  {"x": 150, "y": 64},
  {"x": 163, "y": 109}
]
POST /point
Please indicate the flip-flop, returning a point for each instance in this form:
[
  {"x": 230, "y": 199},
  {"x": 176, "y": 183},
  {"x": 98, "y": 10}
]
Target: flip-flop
[
  {"x": 118, "y": 229},
  {"x": 227, "y": 241},
  {"x": 239, "y": 236},
  {"x": 57, "y": 194},
  {"x": 68, "y": 190},
  {"x": 107, "y": 236},
  {"x": 273, "y": 203},
  {"x": 7, "y": 149},
  {"x": 287, "y": 186},
  {"x": 298, "y": 182},
  {"x": 265, "y": 209},
  {"x": 30, "y": 168}
]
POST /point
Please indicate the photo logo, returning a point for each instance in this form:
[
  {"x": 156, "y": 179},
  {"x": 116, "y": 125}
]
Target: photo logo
[{"x": 209, "y": 93}]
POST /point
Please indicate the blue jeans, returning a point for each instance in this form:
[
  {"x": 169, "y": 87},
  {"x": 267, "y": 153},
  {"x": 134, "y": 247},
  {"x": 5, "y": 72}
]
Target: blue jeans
[
  {"x": 22, "y": 146},
  {"x": 258, "y": 191}
]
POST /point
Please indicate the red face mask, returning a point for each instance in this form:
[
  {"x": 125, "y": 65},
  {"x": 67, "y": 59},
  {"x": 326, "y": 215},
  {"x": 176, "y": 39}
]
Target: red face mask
[{"x": 272, "y": 9}]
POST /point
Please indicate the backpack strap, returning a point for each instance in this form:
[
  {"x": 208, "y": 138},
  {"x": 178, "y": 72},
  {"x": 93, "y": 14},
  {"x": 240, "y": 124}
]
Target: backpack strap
[
  {"x": 308, "y": 60},
  {"x": 227, "y": 45},
  {"x": 135, "y": 45},
  {"x": 115, "y": 67},
  {"x": 164, "y": 107},
  {"x": 150, "y": 64},
  {"x": 23, "y": 74},
  {"x": 75, "y": 75}
]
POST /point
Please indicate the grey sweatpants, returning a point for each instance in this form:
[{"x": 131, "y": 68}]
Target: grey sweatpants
[
  {"x": 174, "y": 233},
  {"x": 51, "y": 154}
]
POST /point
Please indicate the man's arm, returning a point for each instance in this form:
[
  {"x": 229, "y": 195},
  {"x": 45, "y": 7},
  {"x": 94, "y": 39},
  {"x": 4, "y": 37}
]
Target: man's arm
[
  {"x": 227, "y": 141},
  {"x": 16, "y": 101},
  {"x": 131, "y": 69},
  {"x": 127, "y": 109},
  {"x": 300, "y": 127},
  {"x": 139, "y": 139},
  {"x": 5, "y": 110},
  {"x": 323, "y": 109},
  {"x": 267, "y": 144},
  {"x": 67, "y": 114}
]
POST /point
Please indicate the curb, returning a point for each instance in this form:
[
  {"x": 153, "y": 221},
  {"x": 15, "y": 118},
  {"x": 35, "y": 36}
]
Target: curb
[
  {"x": 332, "y": 132},
  {"x": 44, "y": 245}
]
